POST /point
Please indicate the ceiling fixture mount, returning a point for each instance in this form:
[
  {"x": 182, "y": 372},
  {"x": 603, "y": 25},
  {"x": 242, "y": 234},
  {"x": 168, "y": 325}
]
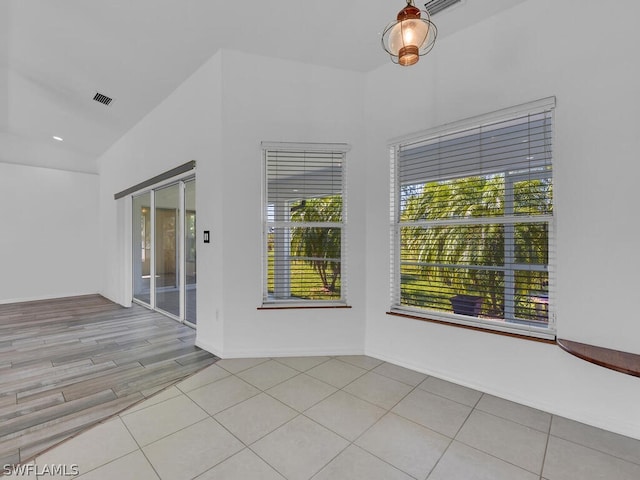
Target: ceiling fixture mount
[{"x": 411, "y": 36}]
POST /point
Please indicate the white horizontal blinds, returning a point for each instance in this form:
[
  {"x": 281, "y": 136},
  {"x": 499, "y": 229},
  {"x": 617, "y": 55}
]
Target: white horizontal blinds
[
  {"x": 304, "y": 227},
  {"x": 475, "y": 209},
  {"x": 396, "y": 210},
  {"x": 510, "y": 145}
]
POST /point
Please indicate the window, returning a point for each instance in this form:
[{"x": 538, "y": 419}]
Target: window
[
  {"x": 472, "y": 222},
  {"x": 304, "y": 224}
]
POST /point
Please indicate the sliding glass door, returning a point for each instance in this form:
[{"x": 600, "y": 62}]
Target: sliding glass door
[
  {"x": 164, "y": 250},
  {"x": 167, "y": 249},
  {"x": 142, "y": 248},
  {"x": 190, "y": 251}
]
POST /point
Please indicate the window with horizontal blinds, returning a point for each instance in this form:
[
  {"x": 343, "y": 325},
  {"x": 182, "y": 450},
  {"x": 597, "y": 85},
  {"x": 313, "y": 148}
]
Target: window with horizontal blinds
[
  {"x": 304, "y": 220},
  {"x": 472, "y": 222}
]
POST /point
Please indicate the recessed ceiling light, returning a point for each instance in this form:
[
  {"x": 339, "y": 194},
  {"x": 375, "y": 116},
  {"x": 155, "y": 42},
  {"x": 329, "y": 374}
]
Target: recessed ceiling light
[{"x": 58, "y": 138}]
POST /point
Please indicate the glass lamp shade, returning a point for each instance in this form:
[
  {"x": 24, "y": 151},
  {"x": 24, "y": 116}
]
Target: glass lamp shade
[{"x": 409, "y": 37}]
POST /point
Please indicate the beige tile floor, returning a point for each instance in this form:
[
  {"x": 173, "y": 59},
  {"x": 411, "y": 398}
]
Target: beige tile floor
[{"x": 335, "y": 418}]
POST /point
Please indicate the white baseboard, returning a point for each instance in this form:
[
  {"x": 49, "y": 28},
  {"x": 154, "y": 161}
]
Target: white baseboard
[
  {"x": 209, "y": 348},
  {"x": 275, "y": 352},
  {"x": 44, "y": 297}
]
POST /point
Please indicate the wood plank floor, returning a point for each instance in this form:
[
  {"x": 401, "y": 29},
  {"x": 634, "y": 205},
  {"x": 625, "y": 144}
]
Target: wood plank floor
[{"x": 69, "y": 363}]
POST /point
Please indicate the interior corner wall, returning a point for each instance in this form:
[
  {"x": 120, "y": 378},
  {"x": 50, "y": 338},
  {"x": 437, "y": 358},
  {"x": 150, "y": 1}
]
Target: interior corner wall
[
  {"x": 219, "y": 117},
  {"x": 185, "y": 126},
  {"x": 266, "y": 99},
  {"x": 4, "y": 70},
  {"x": 534, "y": 50},
  {"x": 49, "y": 233}
]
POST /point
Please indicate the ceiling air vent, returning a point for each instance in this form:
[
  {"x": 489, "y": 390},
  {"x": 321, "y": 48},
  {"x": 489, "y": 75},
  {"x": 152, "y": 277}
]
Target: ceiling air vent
[
  {"x": 98, "y": 97},
  {"x": 436, "y": 6}
]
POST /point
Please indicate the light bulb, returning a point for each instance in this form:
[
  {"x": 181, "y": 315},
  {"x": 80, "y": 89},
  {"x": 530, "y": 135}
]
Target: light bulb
[
  {"x": 414, "y": 32},
  {"x": 408, "y": 33}
]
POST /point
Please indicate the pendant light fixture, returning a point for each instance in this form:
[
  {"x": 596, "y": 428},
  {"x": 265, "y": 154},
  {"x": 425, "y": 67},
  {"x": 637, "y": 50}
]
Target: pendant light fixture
[{"x": 412, "y": 35}]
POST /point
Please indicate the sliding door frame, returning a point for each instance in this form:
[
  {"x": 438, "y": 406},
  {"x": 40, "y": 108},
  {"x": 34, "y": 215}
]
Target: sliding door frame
[
  {"x": 183, "y": 249},
  {"x": 179, "y": 180}
]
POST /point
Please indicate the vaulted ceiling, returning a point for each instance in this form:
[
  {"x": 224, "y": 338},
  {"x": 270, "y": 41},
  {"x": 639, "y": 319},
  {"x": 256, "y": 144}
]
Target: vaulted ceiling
[{"x": 56, "y": 54}]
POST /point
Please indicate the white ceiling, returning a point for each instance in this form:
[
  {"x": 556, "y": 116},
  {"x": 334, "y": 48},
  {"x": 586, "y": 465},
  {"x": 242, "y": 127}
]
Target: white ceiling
[{"x": 56, "y": 54}]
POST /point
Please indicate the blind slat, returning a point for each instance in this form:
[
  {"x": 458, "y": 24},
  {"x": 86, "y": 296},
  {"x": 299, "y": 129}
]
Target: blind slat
[
  {"x": 304, "y": 225},
  {"x": 521, "y": 143},
  {"x": 472, "y": 221}
]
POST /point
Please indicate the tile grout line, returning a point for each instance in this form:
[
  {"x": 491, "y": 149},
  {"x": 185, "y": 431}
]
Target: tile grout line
[
  {"x": 491, "y": 454},
  {"x": 596, "y": 449},
  {"x": 546, "y": 447},
  {"x": 257, "y": 440},
  {"x": 140, "y": 448},
  {"x": 302, "y": 414},
  {"x": 453, "y": 439},
  {"x": 389, "y": 410},
  {"x": 349, "y": 443},
  {"x": 353, "y": 442}
]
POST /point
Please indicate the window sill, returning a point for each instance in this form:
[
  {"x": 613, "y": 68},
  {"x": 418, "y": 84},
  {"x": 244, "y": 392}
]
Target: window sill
[
  {"x": 479, "y": 328},
  {"x": 292, "y": 306}
]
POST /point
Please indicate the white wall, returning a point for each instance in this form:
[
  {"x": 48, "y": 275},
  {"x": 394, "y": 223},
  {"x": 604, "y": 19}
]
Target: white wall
[
  {"x": 4, "y": 70},
  {"x": 265, "y": 99},
  {"x": 259, "y": 99},
  {"x": 186, "y": 126},
  {"x": 49, "y": 245},
  {"x": 534, "y": 50}
]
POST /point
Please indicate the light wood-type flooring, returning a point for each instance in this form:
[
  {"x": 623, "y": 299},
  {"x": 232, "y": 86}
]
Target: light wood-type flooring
[{"x": 69, "y": 363}]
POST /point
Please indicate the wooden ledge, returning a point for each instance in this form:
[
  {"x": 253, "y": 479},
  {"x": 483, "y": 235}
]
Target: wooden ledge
[{"x": 624, "y": 362}]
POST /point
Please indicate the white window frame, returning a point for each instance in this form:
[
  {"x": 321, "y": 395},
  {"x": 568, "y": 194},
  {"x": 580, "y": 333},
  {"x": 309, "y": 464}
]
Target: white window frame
[
  {"x": 272, "y": 301},
  {"x": 548, "y": 332}
]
